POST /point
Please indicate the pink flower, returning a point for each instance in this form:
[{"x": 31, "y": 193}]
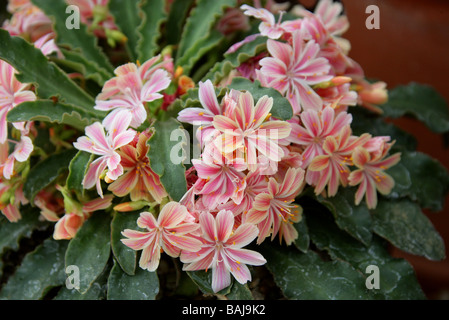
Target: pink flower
[
  {"x": 204, "y": 116},
  {"x": 293, "y": 69},
  {"x": 21, "y": 153},
  {"x": 47, "y": 45},
  {"x": 67, "y": 227},
  {"x": 98, "y": 143},
  {"x": 274, "y": 206},
  {"x": 12, "y": 93},
  {"x": 221, "y": 179},
  {"x": 27, "y": 20},
  {"x": 139, "y": 180},
  {"x": 333, "y": 164},
  {"x": 268, "y": 27},
  {"x": 11, "y": 210},
  {"x": 132, "y": 87},
  {"x": 316, "y": 126},
  {"x": 170, "y": 233},
  {"x": 245, "y": 128},
  {"x": 287, "y": 231},
  {"x": 222, "y": 250},
  {"x": 255, "y": 183},
  {"x": 370, "y": 175}
]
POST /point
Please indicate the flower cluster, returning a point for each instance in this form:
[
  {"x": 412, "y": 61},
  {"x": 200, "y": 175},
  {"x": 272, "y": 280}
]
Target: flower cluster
[{"x": 252, "y": 166}]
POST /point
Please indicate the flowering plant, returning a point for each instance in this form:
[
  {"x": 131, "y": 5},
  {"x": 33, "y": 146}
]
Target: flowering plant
[{"x": 169, "y": 149}]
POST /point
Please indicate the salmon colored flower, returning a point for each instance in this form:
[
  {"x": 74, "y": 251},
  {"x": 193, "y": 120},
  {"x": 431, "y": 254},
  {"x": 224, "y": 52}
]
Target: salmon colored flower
[
  {"x": 139, "y": 180},
  {"x": 333, "y": 164},
  {"x": 131, "y": 88},
  {"x": 370, "y": 175},
  {"x": 316, "y": 126},
  {"x": 12, "y": 93},
  {"x": 11, "y": 210},
  {"x": 268, "y": 27},
  {"x": 222, "y": 250},
  {"x": 170, "y": 233},
  {"x": 293, "y": 69},
  {"x": 274, "y": 206},
  {"x": 220, "y": 178},
  {"x": 67, "y": 227},
  {"x": 98, "y": 143},
  {"x": 247, "y": 128}
]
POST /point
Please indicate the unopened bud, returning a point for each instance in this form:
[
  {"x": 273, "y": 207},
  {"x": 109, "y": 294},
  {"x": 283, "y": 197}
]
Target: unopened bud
[{"x": 131, "y": 206}]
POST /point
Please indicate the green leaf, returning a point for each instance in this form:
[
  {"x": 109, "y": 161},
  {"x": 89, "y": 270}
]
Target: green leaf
[
  {"x": 77, "y": 170},
  {"x": 40, "y": 270},
  {"x": 79, "y": 40},
  {"x": 176, "y": 18},
  {"x": 356, "y": 220},
  {"x": 203, "y": 280},
  {"x": 46, "y": 171},
  {"x": 33, "y": 67},
  {"x": 402, "y": 223},
  {"x": 194, "y": 54},
  {"x": 365, "y": 122},
  {"x": 144, "y": 285},
  {"x": 305, "y": 276},
  {"x": 11, "y": 233},
  {"x": 125, "y": 256},
  {"x": 199, "y": 24},
  {"x": 420, "y": 101},
  {"x": 97, "y": 291},
  {"x": 79, "y": 63},
  {"x": 281, "y": 109},
  {"x": 233, "y": 60},
  {"x": 422, "y": 179},
  {"x": 240, "y": 292},
  {"x": 153, "y": 16},
  {"x": 127, "y": 18},
  {"x": 90, "y": 249},
  {"x": 397, "y": 279},
  {"x": 303, "y": 240},
  {"x": 162, "y": 150},
  {"x": 48, "y": 111}
]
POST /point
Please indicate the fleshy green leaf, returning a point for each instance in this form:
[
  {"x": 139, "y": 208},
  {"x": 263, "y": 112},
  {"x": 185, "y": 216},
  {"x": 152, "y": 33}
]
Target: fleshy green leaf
[
  {"x": 203, "y": 280},
  {"x": 46, "y": 171},
  {"x": 194, "y": 54},
  {"x": 48, "y": 111},
  {"x": 77, "y": 169},
  {"x": 125, "y": 256},
  {"x": 355, "y": 220},
  {"x": 305, "y": 276},
  {"x": 33, "y": 67},
  {"x": 40, "y": 270},
  {"x": 403, "y": 224},
  {"x": 97, "y": 291},
  {"x": 422, "y": 179},
  {"x": 11, "y": 233},
  {"x": 235, "y": 59},
  {"x": 281, "y": 109},
  {"x": 90, "y": 249},
  {"x": 154, "y": 16},
  {"x": 78, "y": 40},
  {"x": 176, "y": 18},
  {"x": 163, "y": 155},
  {"x": 240, "y": 292},
  {"x": 199, "y": 24},
  {"x": 420, "y": 101},
  {"x": 363, "y": 122},
  {"x": 397, "y": 280},
  {"x": 303, "y": 240},
  {"x": 127, "y": 18},
  {"x": 144, "y": 285}
]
